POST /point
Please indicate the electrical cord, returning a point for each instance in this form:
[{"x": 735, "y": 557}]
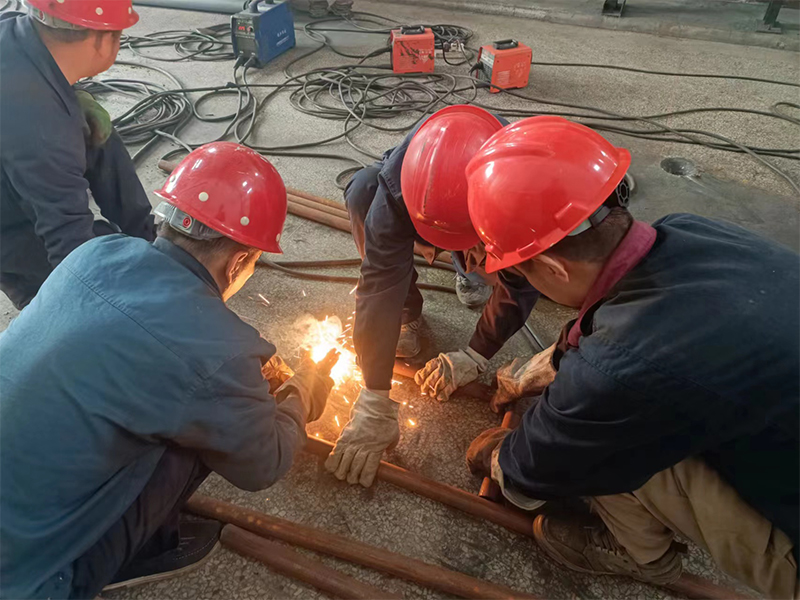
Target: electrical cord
[
  {"x": 342, "y": 278},
  {"x": 204, "y": 44}
]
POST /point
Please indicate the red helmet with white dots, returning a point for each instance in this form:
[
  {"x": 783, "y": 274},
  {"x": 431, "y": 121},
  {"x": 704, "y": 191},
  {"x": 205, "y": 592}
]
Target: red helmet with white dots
[
  {"x": 225, "y": 189},
  {"x": 102, "y": 15}
]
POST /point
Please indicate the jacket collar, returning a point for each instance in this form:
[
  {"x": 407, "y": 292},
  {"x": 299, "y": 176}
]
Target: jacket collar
[
  {"x": 40, "y": 56},
  {"x": 632, "y": 249},
  {"x": 187, "y": 260}
]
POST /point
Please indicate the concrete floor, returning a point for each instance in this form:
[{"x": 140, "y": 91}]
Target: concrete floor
[{"x": 730, "y": 186}]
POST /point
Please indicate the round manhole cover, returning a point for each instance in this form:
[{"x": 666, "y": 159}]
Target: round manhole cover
[{"x": 682, "y": 167}]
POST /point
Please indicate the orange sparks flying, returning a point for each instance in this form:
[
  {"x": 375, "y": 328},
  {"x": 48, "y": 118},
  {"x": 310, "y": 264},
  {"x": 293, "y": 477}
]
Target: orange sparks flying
[
  {"x": 412, "y": 423},
  {"x": 336, "y": 418},
  {"x": 320, "y": 337}
]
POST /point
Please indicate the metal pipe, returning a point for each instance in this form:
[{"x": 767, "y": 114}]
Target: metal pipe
[
  {"x": 533, "y": 339},
  {"x": 226, "y": 7},
  {"x": 291, "y": 563},
  {"x": 318, "y": 540},
  {"x": 490, "y": 490}
]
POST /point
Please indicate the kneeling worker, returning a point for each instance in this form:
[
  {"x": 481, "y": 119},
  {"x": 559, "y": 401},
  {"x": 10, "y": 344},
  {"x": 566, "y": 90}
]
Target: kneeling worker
[
  {"x": 58, "y": 144},
  {"x": 127, "y": 380},
  {"x": 418, "y": 193},
  {"x": 674, "y": 399}
]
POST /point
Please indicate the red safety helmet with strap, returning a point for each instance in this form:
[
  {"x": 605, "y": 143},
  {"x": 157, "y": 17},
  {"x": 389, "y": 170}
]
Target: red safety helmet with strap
[
  {"x": 101, "y": 15},
  {"x": 225, "y": 189},
  {"x": 538, "y": 181},
  {"x": 432, "y": 178}
]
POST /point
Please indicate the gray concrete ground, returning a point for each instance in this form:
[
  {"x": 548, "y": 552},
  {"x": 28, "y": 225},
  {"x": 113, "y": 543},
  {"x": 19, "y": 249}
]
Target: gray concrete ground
[
  {"x": 713, "y": 20},
  {"x": 730, "y": 186}
]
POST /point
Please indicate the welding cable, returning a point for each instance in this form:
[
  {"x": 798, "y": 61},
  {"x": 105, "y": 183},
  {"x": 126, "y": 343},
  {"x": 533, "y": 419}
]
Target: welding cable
[
  {"x": 341, "y": 278},
  {"x": 203, "y": 44},
  {"x": 665, "y": 73},
  {"x": 355, "y": 262}
]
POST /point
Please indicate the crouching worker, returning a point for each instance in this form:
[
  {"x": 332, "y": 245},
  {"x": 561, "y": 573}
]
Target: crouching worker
[
  {"x": 127, "y": 381},
  {"x": 673, "y": 405}
]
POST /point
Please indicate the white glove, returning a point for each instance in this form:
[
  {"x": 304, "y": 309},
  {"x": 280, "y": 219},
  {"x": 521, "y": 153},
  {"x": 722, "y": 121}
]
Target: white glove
[
  {"x": 446, "y": 373},
  {"x": 372, "y": 428},
  {"x": 523, "y": 378}
]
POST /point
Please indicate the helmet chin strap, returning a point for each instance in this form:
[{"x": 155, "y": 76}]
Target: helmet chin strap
[
  {"x": 619, "y": 198},
  {"x": 185, "y": 223},
  {"x": 51, "y": 21}
]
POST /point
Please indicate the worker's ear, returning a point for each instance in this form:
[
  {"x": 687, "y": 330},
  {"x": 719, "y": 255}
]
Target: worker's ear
[
  {"x": 552, "y": 266},
  {"x": 236, "y": 265}
]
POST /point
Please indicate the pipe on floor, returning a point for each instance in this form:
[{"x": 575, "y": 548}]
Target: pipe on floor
[
  {"x": 373, "y": 557},
  {"x": 291, "y": 563}
]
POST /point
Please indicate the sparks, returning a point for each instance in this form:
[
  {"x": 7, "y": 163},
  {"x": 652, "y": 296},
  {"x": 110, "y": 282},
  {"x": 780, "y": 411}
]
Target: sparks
[
  {"x": 346, "y": 400},
  {"x": 264, "y": 299},
  {"x": 354, "y": 289},
  {"x": 394, "y": 381},
  {"x": 412, "y": 423},
  {"x": 336, "y": 418},
  {"x": 320, "y": 337},
  {"x": 316, "y": 435},
  {"x": 304, "y": 293}
]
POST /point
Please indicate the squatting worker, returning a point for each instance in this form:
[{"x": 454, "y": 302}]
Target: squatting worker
[
  {"x": 127, "y": 380},
  {"x": 58, "y": 143},
  {"x": 417, "y": 193},
  {"x": 674, "y": 399}
]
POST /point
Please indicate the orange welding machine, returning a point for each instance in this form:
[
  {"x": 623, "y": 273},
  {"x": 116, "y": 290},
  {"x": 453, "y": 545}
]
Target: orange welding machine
[
  {"x": 413, "y": 49},
  {"x": 505, "y": 64}
]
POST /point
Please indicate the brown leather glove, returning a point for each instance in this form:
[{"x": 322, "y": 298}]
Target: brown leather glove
[
  {"x": 523, "y": 378},
  {"x": 277, "y": 372},
  {"x": 313, "y": 384},
  {"x": 479, "y": 453}
]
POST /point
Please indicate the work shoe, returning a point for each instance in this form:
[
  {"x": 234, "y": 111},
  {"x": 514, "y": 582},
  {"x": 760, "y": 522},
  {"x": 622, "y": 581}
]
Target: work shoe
[
  {"x": 199, "y": 540},
  {"x": 472, "y": 294},
  {"x": 408, "y": 344},
  {"x": 594, "y": 550}
]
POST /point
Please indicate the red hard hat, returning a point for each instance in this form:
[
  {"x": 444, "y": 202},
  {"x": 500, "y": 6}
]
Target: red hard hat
[
  {"x": 233, "y": 190},
  {"x": 432, "y": 178},
  {"x": 102, "y": 15},
  {"x": 535, "y": 182}
]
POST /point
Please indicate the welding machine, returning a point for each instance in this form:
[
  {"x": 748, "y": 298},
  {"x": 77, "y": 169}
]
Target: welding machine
[
  {"x": 505, "y": 64},
  {"x": 413, "y": 49},
  {"x": 262, "y": 34}
]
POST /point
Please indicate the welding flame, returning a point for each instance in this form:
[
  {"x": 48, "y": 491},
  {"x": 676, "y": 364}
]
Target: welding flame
[{"x": 320, "y": 337}]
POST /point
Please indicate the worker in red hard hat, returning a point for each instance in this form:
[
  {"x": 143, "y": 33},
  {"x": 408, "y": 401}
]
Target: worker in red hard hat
[
  {"x": 671, "y": 404},
  {"x": 58, "y": 145},
  {"x": 417, "y": 195},
  {"x": 127, "y": 381}
]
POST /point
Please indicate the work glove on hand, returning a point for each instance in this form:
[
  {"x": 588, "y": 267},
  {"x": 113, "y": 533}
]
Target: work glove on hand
[
  {"x": 277, "y": 372},
  {"x": 447, "y": 372},
  {"x": 372, "y": 429},
  {"x": 523, "y": 378},
  {"x": 479, "y": 453},
  {"x": 313, "y": 384},
  {"x": 97, "y": 118}
]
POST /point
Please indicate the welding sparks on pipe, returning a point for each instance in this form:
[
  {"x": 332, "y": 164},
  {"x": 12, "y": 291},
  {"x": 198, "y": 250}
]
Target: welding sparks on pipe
[
  {"x": 320, "y": 337},
  {"x": 266, "y": 302},
  {"x": 412, "y": 423},
  {"x": 304, "y": 293},
  {"x": 336, "y": 418},
  {"x": 354, "y": 289}
]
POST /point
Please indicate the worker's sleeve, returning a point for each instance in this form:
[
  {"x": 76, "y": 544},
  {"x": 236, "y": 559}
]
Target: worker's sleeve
[
  {"x": 117, "y": 190},
  {"x": 238, "y": 428},
  {"x": 386, "y": 274},
  {"x": 598, "y": 429},
  {"x": 46, "y": 165},
  {"x": 509, "y": 306}
]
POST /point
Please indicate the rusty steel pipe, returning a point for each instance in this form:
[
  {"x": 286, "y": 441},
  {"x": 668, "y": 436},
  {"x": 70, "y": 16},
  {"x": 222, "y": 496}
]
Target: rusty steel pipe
[
  {"x": 318, "y": 540},
  {"x": 291, "y": 563},
  {"x": 337, "y": 212},
  {"x": 689, "y": 585},
  {"x": 516, "y": 521},
  {"x": 489, "y": 488}
]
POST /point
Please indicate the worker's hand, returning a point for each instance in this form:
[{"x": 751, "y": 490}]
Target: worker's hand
[
  {"x": 372, "y": 429},
  {"x": 313, "y": 384},
  {"x": 97, "y": 119},
  {"x": 447, "y": 372},
  {"x": 523, "y": 378},
  {"x": 479, "y": 453},
  {"x": 276, "y": 371}
]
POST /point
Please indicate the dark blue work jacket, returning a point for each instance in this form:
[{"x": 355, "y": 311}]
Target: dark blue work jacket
[
  {"x": 127, "y": 349},
  {"x": 694, "y": 352},
  {"x": 46, "y": 167},
  {"x": 386, "y": 274}
]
